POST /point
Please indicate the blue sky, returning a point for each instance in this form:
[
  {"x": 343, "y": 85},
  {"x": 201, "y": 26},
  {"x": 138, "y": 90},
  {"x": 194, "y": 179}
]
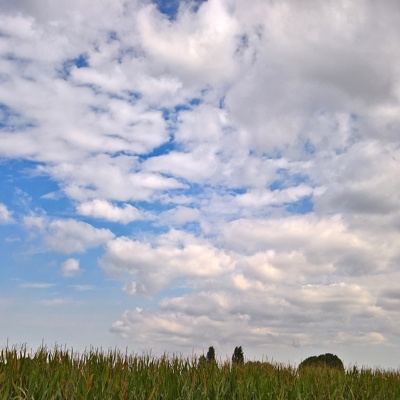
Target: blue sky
[{"x": 176, "y": 175}]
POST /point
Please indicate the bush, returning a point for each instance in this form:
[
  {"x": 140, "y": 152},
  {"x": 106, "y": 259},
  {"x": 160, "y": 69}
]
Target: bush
[
  {"x": 327, "y": 360},
  {"x": 260, "y": 365}
]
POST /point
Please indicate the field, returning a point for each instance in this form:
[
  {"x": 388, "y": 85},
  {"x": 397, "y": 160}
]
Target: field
[{"x": 62, "y": 374}]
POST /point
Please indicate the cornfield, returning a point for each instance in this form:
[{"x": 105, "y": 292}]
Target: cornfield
[{"x": 59, "y": 373}]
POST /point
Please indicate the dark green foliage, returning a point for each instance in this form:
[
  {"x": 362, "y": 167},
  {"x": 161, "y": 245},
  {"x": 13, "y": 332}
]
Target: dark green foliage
[
  {"x": 260, "y": 365},
  {"x": 202, "y": 361},
  {"x": 238, "y": 357},
  {"x": 211, "y": 355},
  {"x": 324, "y": 360}
]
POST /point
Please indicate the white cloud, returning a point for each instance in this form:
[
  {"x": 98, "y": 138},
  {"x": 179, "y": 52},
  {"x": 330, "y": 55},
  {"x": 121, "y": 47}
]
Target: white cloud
[
  {"x": 199, "y": 47},
  {"x": 305, "y": 64},
  {"x": 33, "y": 221},
  {"x": 202, "y": 124},
  {"x": 178, "y": 329},
  {"x": 71, "y": 236},
  {"x": 154, "y": 267},
  {"x": 221, "y": 318},
  {"x": 70, "y": 268},
  {"x": 303, "y": 267},
  {"x": 262, "y": 198},
  {"x": 180, "y": 215},
  {"x": 327, "y": 241},
  {"x": 103, "y": 209},
  {"x": 110, "y": 178},
  {"x": 5, "y": 214},
  {"x": 198, "y": 165}
]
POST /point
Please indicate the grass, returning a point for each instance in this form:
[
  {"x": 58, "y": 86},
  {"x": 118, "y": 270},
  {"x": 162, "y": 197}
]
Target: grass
[{"x": 62, "y": 374}]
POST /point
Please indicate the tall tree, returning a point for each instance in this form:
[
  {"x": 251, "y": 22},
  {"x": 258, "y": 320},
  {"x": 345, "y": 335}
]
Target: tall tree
[
  {"x": 211, "y": 355},
  {"x": 238, "y": 356}
]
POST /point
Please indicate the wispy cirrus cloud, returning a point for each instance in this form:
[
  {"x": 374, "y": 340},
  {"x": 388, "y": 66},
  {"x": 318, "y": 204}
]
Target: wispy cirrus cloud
[{"x": 36, "y": 285}]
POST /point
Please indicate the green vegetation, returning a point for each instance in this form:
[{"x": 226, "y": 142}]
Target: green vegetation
[
  {"x": 327, "y": 360},
  {"x": 62, "y": 374},
  {"x": 210, "y": 355},
  {"x": 238, "y": 356}
]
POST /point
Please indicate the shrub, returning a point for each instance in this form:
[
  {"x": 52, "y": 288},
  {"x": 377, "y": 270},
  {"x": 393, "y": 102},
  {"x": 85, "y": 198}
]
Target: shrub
[{"x": 327, "y": 360}]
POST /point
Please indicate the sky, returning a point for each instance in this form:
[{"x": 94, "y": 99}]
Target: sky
[{"x": 176, "y": 175}]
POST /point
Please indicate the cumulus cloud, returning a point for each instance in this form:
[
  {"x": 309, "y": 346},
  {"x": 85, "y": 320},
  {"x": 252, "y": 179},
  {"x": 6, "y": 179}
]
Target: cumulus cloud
[
  {"x": 316, "y": 273},
  {"x": 71, "y": 236},
  {"x": 70, "y": 268},
  {"x": 181, "y": 215},
  {"x": 199, "y": 164},
  {"x": 174, "y": 255},
  {"x": 176, "y": 329},
  {"x": 307, "y": 68},
  {"x": 109, "y": 177},
  {"x": 262, "y": 198},
  {"x": 33, "y": 221},
  {"x": 198, "y": 47},
  {"x": 223, "y": 318},
  {"x": 103, "y": 209}
]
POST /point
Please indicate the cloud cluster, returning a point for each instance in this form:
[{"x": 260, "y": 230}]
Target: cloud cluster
[
  {"x": 295, "y": 281},
  {"x": 66, "y": 236},
  {"x": 251, "y": 155},
  {"x": 175, "y": 255}
]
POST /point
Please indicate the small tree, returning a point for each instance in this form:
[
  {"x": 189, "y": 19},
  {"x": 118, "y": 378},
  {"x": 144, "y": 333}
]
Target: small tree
[
  {"x": 238, "y": 357},
  {"x": 211, "y": 355},
  {"x": 202, "y": 361}
]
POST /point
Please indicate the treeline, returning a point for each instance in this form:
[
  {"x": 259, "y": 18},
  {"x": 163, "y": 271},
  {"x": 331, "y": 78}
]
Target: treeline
[
  {"x": 237, "y": 357},
  {"x": 327, "y": 360}
]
